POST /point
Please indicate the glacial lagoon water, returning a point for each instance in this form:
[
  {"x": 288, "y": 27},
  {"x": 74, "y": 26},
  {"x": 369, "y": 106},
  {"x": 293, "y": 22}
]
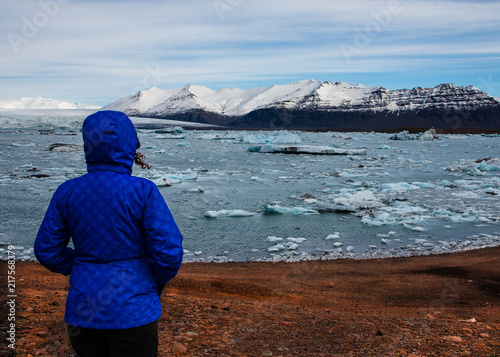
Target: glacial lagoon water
[{"x": 405, "y": 197}]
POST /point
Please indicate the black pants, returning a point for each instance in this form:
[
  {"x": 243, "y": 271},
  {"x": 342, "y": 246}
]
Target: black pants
[{"x": 141, "y": 341}]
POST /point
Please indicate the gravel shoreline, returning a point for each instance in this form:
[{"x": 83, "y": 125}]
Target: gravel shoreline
[{"x": 439, "y": 305}]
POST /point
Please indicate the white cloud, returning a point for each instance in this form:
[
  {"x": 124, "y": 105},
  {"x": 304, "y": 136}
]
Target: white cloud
[{"x": 108, "y": 48}]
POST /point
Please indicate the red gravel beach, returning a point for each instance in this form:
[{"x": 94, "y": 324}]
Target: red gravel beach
[{"x": 441, "y": 305}]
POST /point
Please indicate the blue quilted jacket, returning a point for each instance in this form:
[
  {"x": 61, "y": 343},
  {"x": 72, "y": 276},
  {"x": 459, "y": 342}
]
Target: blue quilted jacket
[{"x": 127, "y": 245}]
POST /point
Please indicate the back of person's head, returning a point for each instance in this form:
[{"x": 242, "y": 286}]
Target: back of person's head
[{"x": 110, "y": 139}]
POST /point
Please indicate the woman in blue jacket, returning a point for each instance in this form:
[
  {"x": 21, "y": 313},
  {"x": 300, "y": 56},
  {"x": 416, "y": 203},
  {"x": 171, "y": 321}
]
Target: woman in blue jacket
[{"x": 127, "y": 245}]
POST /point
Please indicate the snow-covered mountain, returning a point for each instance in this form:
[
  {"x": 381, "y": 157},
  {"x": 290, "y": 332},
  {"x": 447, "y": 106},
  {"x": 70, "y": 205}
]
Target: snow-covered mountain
[
  {"x": 307, "y": 103},
  {"x": 41, "y": 103}
]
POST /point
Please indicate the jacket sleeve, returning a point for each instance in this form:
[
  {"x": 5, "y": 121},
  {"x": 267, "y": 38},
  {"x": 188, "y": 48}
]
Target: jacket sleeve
[
  {"x": 51, "y": 243},
  {"x": 163, "y": 237}
]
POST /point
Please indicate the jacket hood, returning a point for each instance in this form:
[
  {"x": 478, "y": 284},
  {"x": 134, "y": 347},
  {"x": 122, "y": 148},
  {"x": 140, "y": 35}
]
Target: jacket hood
[{"x": 110, "y": 142}]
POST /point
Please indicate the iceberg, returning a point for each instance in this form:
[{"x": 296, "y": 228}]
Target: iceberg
[
  {"x": 274, "y": 208},
  {"x": 399, "y": 186},
  {"x": 228, "y": 213},
  {"x": 274, "y": 239},
  {"x": 305, "y": 149},
  {"x": 359, "y": 200},
  {"x": 491, "y": 164},
  {"x": 333, "y": 207},
  {"x": 296, "y": 240},
  {"x": 405, "y": 135},
  {"x": 171, "y": 136},
  {"x": 170, "y": 130},
  {"x": 58, "y": 147},
  {"x": 276, "y": 248}
]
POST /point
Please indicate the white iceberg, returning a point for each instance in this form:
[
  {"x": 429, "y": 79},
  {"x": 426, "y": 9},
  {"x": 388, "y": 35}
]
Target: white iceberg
[
  {"x": 274, "y": 239},
  {"x": 285, "y": 138},
  {"x": 492, "y": 164},
  {"x": 228, "y": 213},
  {"x": 359, "y": 200},
  {"x": 274, "y": 208},
  {"x": 405, "y": 135},
  {"x": 170, "y": 130}
]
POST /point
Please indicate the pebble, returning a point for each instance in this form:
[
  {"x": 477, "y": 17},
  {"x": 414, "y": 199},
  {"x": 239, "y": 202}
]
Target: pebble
[
  {"x": 453, "y": 339},
  {"x": 484, "y": 335},
  {"x": 179, "y": 347}
]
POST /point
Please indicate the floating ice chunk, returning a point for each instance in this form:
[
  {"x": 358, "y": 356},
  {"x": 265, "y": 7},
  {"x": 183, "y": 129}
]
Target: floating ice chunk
[
  {"x": 447, "y": 183},
  {"x": 274, "y": 208},
  {"x": 276, "y": 248},
  {"x": 425, "y": 185},
  {"x": 333, "y": 236},
  {"x": 364, "y": 200},
  {"x": 330, "y": 207},
  {"x": 350, "y": 249},
  {"x": 268, "y": 148},
  {"x": 405, "y": 135},
  {"x": 187, "y": 177},
  {"x": 399, "y": 186},
  {"x": 379, "y": 220},
  {"x": 386, "y": 147},
  {"x": 338, "y": 244},
  {"x": 305, "y": 149},
  {"x": 492, "y": 191},
  {"x": 310, "y": 200},
  {"x": 196, "y": 190},
  {"x": 491, "y": 164},
  {"x": 385, "y": 241},
  {"x": 293, "y": 246},
  {"x": 228, "y": 213},
  {"x": 346, "y": 174},
  {"x": 171, "y": 130},
  {"x": 416, "y": 229},
  {"x": 274, "y": 239},
  {"x": 65, "y": 147},
  {"x": 212, "y": 214},
  {"x": 163, "y": 182},
  {"x": 184, "y": 144},
  {"x": 428, "y": 135},
  {"x": 172, "y": 136},
  {"x": 296, "y": 240},
  {"x": 465, "y": 194}
]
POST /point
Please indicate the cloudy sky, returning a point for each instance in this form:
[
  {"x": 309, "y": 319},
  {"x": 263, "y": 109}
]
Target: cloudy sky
[{"x": 96, "y": 51}]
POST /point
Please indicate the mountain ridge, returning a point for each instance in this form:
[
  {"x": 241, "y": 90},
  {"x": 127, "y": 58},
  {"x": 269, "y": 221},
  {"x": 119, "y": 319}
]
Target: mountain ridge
[
  {"x": 315, "y": 104},
  {"x": 41, "y": 103}
]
